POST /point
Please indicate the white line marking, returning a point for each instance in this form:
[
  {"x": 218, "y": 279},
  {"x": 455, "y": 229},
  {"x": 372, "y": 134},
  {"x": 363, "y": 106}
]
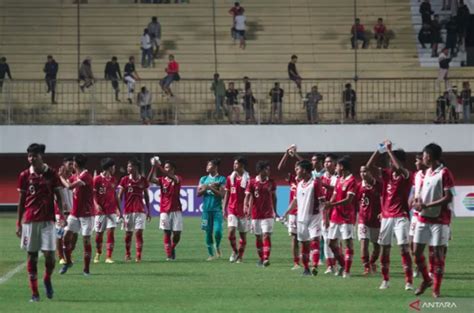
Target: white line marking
[{"x": 12, "y": 273}]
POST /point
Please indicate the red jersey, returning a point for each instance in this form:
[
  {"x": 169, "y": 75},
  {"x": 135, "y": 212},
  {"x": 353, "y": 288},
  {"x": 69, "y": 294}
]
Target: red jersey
[
  {"x": 293, "y": 186},
  {"x": 133, "y": 190},
  {"x": 173, "y": 67},
  {"x": 328, "y": 180},
  {"x": 104, "y": 194},
  {"x": 235, "y": 205},
  {"x": 83, "y": 195},
  {"x": 359, "y": 28},
  {"x": 169, "y": 194},
  {"x": 379, "y": 29},
  {"x": 395, "y": 195},
  {"x": 39, "y": 191},
  {"x": 369, "y": 199},
  {"x": 262, "y": 193},
  {"x": 344, "y": 214}
]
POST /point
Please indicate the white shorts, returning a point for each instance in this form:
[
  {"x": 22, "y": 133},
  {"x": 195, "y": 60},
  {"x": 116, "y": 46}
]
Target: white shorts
[
  {"x": 58, "y": 227},
  {"x": 413, "y": 221},
  {"x": 310, "y": 229},
  {"x": 262, "y": 226},
  {"x": 340, "y": 231},
  {"x": 171, "y": 221},
  {"x": 36, "y": 236},
  {"x": 156, "y": 42},
  {"x": 394, "y": 225},
  {"x": 84, "y": 225},
  {"x": 366, "y": 232},
  {"x": 106, "y": 221},
  {"x": 324, "y": 231},
  {"x": 241, "y": 223},
  {"x": 134, "y": 221},
  {"x": 432, "y": 234},
  {"x": 292, "y": 225}
]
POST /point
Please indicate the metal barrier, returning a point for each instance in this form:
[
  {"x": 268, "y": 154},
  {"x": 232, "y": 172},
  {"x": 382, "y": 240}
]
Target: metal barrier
[{"x": 378, "y": 101}]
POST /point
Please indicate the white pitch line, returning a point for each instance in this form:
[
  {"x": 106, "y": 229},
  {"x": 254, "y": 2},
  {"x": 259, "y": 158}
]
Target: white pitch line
[{"x": 12, "y": 273}]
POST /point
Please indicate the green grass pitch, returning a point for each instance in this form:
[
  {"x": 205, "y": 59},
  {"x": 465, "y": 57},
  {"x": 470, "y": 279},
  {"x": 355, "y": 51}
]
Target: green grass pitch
[{"x": 190, "y": 284}]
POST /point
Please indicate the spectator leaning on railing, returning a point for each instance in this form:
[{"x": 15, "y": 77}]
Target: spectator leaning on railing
[
  {"x": 218, "y": 87},
  {"x": 112, "y": 73},
  {"x": 311, "y": 105},
  {"x": 466, "y": 102},
  {"x": 233, "y": 104},
  {"x": 172, "y": 74},
  {"x": 50, "y": 70},
  {"x": 276, "y": 97},
  {"x": 144, "y": 100},
  {"x": 85, "y": 74},
  {"x": 349, "y": 99},
  {"x": 4, "y": 71},
  {"x": 130, "y": 76},
  {"x": 154, "y": 30}
]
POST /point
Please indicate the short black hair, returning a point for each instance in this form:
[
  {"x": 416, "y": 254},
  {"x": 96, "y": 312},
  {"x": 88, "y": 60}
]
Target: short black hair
[
  {"x": 434, "y": 150},
  {"x": 419, "y": 156},
  {"x": 215, "y": 162},
  {"x": 345, "y": 161},
  {"x": 348, "y": 85},
  {"x": 49, "y": 56},
  {"x": 3, "y": 59},
  {"x": 80, "y": 160},
  {"x": 319, "y": 156},
  {"x": 261, "y": 165},
  {"x": 106, "y": 163},
  {"x": 154, "y": 18},
  {"x": 294, "y": 56},
  {"x": 131, "y": 57},
  {"x": 36, "y": 148},
  {"x": 400, "y": 155},
  {"x": 172, "y": 164},
  {"x": 114, "y": 58},
  {"x": 242, "y": 160},
  {"x": 68, "y": 159},
  {"x": 332, "y": 156},
  {"x": 135, "y": 162},
  {"x": 236, "y": 4},
  {"x": 305, "y": 165}
]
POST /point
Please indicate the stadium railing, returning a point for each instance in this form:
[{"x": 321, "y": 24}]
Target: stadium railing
[{"x": 378, "y": 101}]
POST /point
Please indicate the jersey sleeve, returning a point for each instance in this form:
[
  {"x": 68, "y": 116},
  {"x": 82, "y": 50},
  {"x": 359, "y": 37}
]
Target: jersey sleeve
[
  {"x": 95, "y": 182},
  {"x": 22, "y": 184},
  {"x": 250, "y": 187},
  {"x": 222, "y": 181},
  {"x": 448, "y": 180},
  {"x": 351, "y": 187},
  {"x": 202, "y": 181},
  {"x": 122, "y": 182},
  {"x": 318, "y": 189}
]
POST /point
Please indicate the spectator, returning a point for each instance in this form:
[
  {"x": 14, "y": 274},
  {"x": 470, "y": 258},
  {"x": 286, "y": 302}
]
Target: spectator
[
  {"x": 441, "y": 104},
  {"x": 247, "y": 84},
  {"x": 85, "y": 74},
  {"x": 276, "y": 96},
  {"x": 154, "y": 31},
  {"x": 453, "y": 103},
  {"x": 380, "y": 34},
  {"x": 358, "y": 33},
  {"x": 234, "y": 11},
  {"x": 444, "y": 67},
  {"x": 466, "y": 102},
  {"x": 51, "y": 71},
  {"x": 249, "y": 101},
  {"x": 446, "y": 5},
  {"x": 293, "y": 73},
  {"x": 426, "y": 12},
  {"x": 435, "y": 36},
  {"x": 425, "y": 36},
  {"x": 231, "y": 95},
  {"x": 144, "y": 102},
  {"x": 218, "y": 87},
  {"x": 172, "y": 74},
  {"x": 311, "y": 105},
  {"x": 112, "y": 73},
  {"x": 462, "y": 19},
  {"x": 239, "y": 26},
  {"x": 4, "y": 71},
  {"x": 349, "y": 99},
  {"x": 130, "y": 76},
  {"x": 147, "y": 49},
  {"x": 451, "y": 36}
]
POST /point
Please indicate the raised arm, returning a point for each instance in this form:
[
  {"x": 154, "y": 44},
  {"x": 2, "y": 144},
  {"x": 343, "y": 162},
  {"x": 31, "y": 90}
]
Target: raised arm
[{"x": 398, "y": 165}]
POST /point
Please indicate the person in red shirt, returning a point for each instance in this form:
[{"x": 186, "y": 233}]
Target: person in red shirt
[
  {"x": 260, "y": 198},
  {"x": 397, "y": 181},
  {"x": 134, "y": 189},
  {"x": 233, "y": 208},
  {"x": 358, "y": 33},
  {"x": 107, "y": 208},
  {"x": 172, "y": 74},
  {"x": 434, "y": 217},
  {"x": 369, "y": 192},
  {"x": 38, "y": 186},
  {"x": 341, "y": 214},
  {"x": 171, "y": 217},
  {"x": 81, "y": 219},
  {"x": 380, "y": 34}
]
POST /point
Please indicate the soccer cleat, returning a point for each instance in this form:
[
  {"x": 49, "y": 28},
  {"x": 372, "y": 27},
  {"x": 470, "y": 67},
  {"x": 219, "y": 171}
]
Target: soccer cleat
[
  {"x": 259, "y": 263},
  {"x": 409, "y": 286},
  {"x": 424, "y": 285},
  {"x": 296, "y": 266},
  {"x": 233, "y": 257},
  {"x": 138, "y": 260},
  {"x": 86, "y": 273},
  {"x": 436, "y": 294},
  {"x": 366, "y": 272},
  {"x": 35, "y": 298},
  {"x": 218, "y": 253},
  {"x": 385, "y": 285},
  {"x": 128, "y": 258},
  {"x": 307, "y": 272},
  {"x": 97, "y": 258},
  {"x": 109, "y": 261},
  {"x": 62, "y": 261},
  {"x": 49, "y": 289},
  {"x": 346, "y": 275},
  {"x": 339, "y": 271},
  {"x": 210, "y": 258},
  {"x": 416, "y": 274},
  {"x": 239, "y": 261},
  {"x": 321, "y": 262},
  {"x": 373, "y": 268},
  {"x": 266, "y": 263},
  {"x": 314, "y": 271},
  {"x": 329, "y": 270},
  {"x": 64, "y": 268},
  {"x": 431, "y": 275}
]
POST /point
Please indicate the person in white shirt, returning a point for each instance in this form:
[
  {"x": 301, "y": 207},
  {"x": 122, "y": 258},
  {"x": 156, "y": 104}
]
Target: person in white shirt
[
  {"x": 239, "y": 25},
  {"x": 144, "y": 102},
  {"x": 147, "y": 49}
]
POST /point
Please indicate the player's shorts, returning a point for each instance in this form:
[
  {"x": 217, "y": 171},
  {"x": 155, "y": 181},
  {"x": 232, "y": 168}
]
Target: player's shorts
[
  {"x": 292, "y": 225},
  {"x": 340, "y": 231},
  {"x": 83, "y": 225},
  {"x": 212, "y": 220},
  {"x": 36, "y": 236},
  {"x": 262, "y": 226},
  {"x": 324, "y": 230},
  {"x": 171, "y": 221},
  {"x": 134, "y": 221},
  {"x": 105, "y": 221},
  {"x": 59, "y": 229},
  {"x": 241, "y": 223},
  {"x": 310, "y": 229},
  {"x": 413, "y": 221},
  {"x": 366, "y": 232},
  {"x": 432, "y": 234},
  {"x": 394, "y": 225}
]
